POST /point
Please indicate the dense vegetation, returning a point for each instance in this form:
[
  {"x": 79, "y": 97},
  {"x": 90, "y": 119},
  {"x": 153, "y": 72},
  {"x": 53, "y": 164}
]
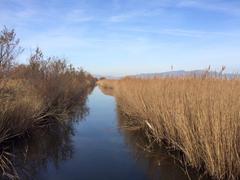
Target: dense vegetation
[
  {"x": 36, "y": 94},
  {"x": 197, "y": 116}
]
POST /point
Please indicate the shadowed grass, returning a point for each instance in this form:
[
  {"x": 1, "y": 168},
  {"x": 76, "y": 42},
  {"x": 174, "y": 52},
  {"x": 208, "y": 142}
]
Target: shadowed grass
[
  {"x": 34, "y": 95},
  {"x": 28, "y": 102}
]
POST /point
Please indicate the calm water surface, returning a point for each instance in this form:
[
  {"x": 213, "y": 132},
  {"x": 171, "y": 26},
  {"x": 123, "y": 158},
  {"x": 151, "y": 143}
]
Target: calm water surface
[{"x": 94, "y": 147}]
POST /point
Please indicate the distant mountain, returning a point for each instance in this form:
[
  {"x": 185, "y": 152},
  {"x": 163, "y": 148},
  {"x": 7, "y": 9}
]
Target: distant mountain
[
  {"x": 182, "y": 73},
  {"x": 172, "y": 74}
]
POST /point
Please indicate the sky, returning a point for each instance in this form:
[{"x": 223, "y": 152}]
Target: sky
[{"x": 120, "y": 37}]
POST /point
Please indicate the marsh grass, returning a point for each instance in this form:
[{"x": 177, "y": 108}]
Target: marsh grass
[
  {"x": 27, "y": 104},
  {"x": 34, "y": 95},
  {"x": 197, "y": 116}
]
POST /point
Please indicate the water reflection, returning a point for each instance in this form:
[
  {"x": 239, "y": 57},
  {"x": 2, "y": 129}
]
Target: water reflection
[
  {"x": 158, "y": 162},
  {"x": 50, "y": 145},
  {"x": 102, "y": 147}
]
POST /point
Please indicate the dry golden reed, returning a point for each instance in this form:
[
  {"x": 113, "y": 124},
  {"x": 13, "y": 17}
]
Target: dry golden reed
[
  {"x": 34, "y": 95},
  {"x": 198, "y": 116}
]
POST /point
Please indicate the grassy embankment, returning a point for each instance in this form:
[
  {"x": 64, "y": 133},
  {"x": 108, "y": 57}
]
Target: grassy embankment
[
  {"x": 34, "y": 94},
  {"x": 198, "y": 116}
]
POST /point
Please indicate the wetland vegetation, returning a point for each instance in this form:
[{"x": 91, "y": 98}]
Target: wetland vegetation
[
  {"x": 34, "y": 95},
  {"x": 196, "y": 116},
  {"x": 187, "y": 126}
]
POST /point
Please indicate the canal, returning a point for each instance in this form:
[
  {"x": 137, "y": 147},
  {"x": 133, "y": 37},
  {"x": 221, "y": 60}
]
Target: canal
[{"x": 94, "y": 146}]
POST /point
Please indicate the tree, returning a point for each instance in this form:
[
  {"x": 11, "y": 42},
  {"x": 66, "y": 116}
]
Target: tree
[{"x": 9, "y": 49}]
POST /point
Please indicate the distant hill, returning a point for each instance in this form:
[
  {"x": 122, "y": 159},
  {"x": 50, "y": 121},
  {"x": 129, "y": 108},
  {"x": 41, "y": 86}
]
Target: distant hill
[
  {"x": 182, "y": 73},
  {"x": 172, "y": 74}
]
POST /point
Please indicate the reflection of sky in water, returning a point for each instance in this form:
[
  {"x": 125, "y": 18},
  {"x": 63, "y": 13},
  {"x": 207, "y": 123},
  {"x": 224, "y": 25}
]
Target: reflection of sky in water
[{"x": 95, "y": 148}]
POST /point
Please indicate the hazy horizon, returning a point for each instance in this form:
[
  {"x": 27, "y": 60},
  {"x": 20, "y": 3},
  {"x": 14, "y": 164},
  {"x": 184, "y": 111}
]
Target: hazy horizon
[{"x": 122, "y": 37}]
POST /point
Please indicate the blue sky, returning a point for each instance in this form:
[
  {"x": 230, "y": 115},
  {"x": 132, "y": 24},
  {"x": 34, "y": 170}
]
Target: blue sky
[{"x": 118, "y": 37}]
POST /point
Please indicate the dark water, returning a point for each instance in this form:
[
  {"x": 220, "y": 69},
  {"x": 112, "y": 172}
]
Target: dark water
[{"x": 93, "y": 146}]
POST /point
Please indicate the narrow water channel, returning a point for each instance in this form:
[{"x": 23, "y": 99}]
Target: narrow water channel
[{"x": 95, "y": 147}]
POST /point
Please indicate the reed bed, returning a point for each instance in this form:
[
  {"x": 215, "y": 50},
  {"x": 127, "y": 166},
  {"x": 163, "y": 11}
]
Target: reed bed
[
  {"x": 197, "y": 116},
  {"x": 34, "y": 95}
]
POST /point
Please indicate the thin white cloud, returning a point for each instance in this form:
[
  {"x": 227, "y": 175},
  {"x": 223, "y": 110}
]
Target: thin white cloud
[
  {"x": 184, "y": 32},
  {"x": 233, "y": 9},
  {"x": 61, "y": 31},
  {"x": 134, "y": 14},
  {"x": 78, "y": 15},
  {"x": 26, "y": 12}
]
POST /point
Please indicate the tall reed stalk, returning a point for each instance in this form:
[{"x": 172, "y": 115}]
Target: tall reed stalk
[{"x": 198, "y": 116}]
